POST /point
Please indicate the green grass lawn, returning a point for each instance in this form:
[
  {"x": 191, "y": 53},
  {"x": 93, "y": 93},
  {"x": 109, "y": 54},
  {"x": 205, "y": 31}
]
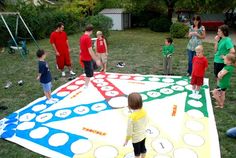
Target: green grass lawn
[{"x": 138, "y": 48}]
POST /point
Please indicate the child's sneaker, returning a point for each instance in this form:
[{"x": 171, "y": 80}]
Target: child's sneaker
[
  {"x": 8, "y": 85},
  {"x": 63, "y": 74},
  {"x": 71, "y": 72},
  {"x": 51, "y": 101}
]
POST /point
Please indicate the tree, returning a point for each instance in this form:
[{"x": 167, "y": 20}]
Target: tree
[
  {"x": 2, "y": 5},
  {"x": 170, "y": 5}
]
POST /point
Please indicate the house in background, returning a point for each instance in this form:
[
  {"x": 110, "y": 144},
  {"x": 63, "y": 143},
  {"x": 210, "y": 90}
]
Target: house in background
[{"x": 121, "y": 19}]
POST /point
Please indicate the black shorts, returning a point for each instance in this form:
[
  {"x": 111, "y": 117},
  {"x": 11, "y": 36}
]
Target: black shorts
[
  {"x": 139, "y": 148},
  {"x": 217, "y": 68},
  {"x": 88, "y": 68},
  {"x": 221, "y": 89}
]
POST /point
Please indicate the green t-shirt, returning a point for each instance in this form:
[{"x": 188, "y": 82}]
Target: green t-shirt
[
  {"x": 225, "y": 81},
  {"x": 224, "y": 45},
  {"x": 166, "y": 50}
]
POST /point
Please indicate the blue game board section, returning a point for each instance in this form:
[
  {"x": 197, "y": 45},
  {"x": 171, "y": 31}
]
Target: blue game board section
[{"x": 13, "y": 121}]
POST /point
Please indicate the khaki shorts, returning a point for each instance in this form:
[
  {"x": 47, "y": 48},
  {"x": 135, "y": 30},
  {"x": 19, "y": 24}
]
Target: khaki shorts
[{"x": 102, "y": 57}]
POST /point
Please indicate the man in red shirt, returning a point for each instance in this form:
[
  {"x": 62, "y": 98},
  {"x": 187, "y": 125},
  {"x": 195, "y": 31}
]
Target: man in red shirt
[
  {"x": 60, "y": 44},
  {"x": 87, "y": 54},
  {"x": 200, "y": 64}
]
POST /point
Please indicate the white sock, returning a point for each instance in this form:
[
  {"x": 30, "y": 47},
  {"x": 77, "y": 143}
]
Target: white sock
[
  {"x": 193, "y": 91},
  {"x": 197, "y": 92}
]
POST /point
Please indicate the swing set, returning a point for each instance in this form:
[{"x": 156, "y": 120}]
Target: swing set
[{"x": 17, "y": 43}]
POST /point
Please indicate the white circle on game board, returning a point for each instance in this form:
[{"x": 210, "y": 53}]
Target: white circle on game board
[
  {"x": 107, "y": 88},
  {"x": 144, "y": 97},
  {"x": 154, "y": 79},
  {"x": 182, "y": 83},
  {"x": 188, "y": 153},
  {"x": 27, "y": 117},
  {"x": 100, "y": 76},
  {"x": 63, "y": 113},
  {"x": 195, "y": 103},
  {"x": 106, "y": 152},
  {"x": 166, "y": 91},
  {"x": 112, "y": 76},
  {"x": 139, "y": 78},
  {"x": 72, "y": 87},
  {"x": 111, "y": 93},
  {"x": 196, "y": 114},
  {"x": 194, "y": 125},
  {"x": 39, "y": 132},
  {"x": 162, "y": 146},
  {"x": 189, "y": 87},
  {"x": 118, "y": 102},
  {"x": 102, "y": 84},
  {"x": 26, "y": 125},
  {"x": 168, "y": 80},
  {"x": 44, "y": 117},
  {"x": 81, "y": 110},
  {"x": 153, "y": 94},
  {"x": 193, "y": 140},
  {"x": 39, "y": 107},
  {"x": 99, "y": 80},
  {"x": 129, "y": 155},
  {"x": 81, "y": 146},
  {"x": 177, "y": 88},
  {"x": 79, "y": 82},
  {"x": 152, "y": 131},
  {"x": 58, "y": 139},
  {"x": 99, "y": 107},
  {"x": 161, "y": 156},
  {"x": 63, "y": 93},
  {"x": 125, "y": 77}
]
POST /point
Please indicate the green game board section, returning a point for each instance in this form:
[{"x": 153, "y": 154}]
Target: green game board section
[{"x": 188, "y": 107}]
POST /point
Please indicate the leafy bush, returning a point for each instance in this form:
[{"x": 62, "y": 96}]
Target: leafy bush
[
  {"x": 41, "y": 21},
  {"x": 160, "y": 25},
  {"x": 101, "y": 23},
  {"x": 178, "y": 30}
]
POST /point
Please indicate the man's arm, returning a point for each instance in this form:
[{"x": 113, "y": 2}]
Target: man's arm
[{"x": 55, "y": 49}]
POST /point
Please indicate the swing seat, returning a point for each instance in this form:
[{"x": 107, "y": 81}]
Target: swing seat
[{"x": 21, "y": 47}]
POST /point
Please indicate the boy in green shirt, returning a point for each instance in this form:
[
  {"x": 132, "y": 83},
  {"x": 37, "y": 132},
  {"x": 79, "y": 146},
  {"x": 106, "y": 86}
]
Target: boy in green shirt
[
  {"x": 224, "y": 80},
  {"x": 167, "y": 51}
]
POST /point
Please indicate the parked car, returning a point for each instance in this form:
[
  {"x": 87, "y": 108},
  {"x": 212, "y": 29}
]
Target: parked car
[{"x": 230, "y": 16}]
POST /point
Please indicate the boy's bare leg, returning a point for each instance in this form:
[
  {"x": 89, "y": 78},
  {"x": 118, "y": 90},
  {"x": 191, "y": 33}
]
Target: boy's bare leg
[
  {"x": 222, "y": 99},
  {"x": 143, "y": 155},
  {"x": 217, "y": 96},
  {"x": 104, "y": 67},
  {"x": 48, "y": 95}
]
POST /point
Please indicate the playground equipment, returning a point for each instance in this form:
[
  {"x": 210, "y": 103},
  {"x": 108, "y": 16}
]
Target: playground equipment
[{"x": 17, "y": 43}]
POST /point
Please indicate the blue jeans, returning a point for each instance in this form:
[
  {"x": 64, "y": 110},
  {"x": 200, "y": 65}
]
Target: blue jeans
[
  {"x": 191, "y": 54},
  {"x": 231, "y": 132}
]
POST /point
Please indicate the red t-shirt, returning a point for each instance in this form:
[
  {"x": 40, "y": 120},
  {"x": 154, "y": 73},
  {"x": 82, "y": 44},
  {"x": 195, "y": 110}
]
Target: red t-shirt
[
  {"x": 100, "y": 45},
  {"x": 199, "y": 66},
  {"x": 85, "y": 44},
  {"x": 60, "y": 41}
]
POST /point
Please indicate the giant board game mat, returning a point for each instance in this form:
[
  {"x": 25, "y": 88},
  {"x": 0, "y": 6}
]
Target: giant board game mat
[{"x": 92, "y": 122}]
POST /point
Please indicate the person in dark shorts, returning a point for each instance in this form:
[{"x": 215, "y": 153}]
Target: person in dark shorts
[
  {"x": 137, "y": 124},
  {"x": 224, "y": 80},
  {"x": 87, "y": 55},
  {"x": 223, "y": 46}
]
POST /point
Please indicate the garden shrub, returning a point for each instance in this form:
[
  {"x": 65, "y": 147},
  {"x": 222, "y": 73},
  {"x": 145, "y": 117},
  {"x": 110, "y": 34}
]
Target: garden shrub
[
  {"x": 101, "y": 23},
  {"x": 161, "y": 24},
  {"x": 178, "y": 30},
  {"x": 41, "y": 21}
]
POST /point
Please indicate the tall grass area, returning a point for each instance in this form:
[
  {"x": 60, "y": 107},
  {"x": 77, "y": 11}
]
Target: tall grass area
[{"x": 138, "y": 48}]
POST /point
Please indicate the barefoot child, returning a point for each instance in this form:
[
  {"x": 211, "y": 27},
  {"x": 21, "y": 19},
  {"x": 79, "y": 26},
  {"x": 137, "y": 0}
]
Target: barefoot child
[
  {"x": 224, "y": 80},
  {"x": 137, "y": 125},
  {"x": 200, "y": 65},
  {"x": 101, "y": 50}
]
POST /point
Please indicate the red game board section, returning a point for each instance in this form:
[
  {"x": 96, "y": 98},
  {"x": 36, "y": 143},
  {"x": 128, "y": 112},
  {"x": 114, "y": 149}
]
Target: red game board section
[
  {"x": 107, "y": 91},
  {"x": 65, "y": 89}
]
